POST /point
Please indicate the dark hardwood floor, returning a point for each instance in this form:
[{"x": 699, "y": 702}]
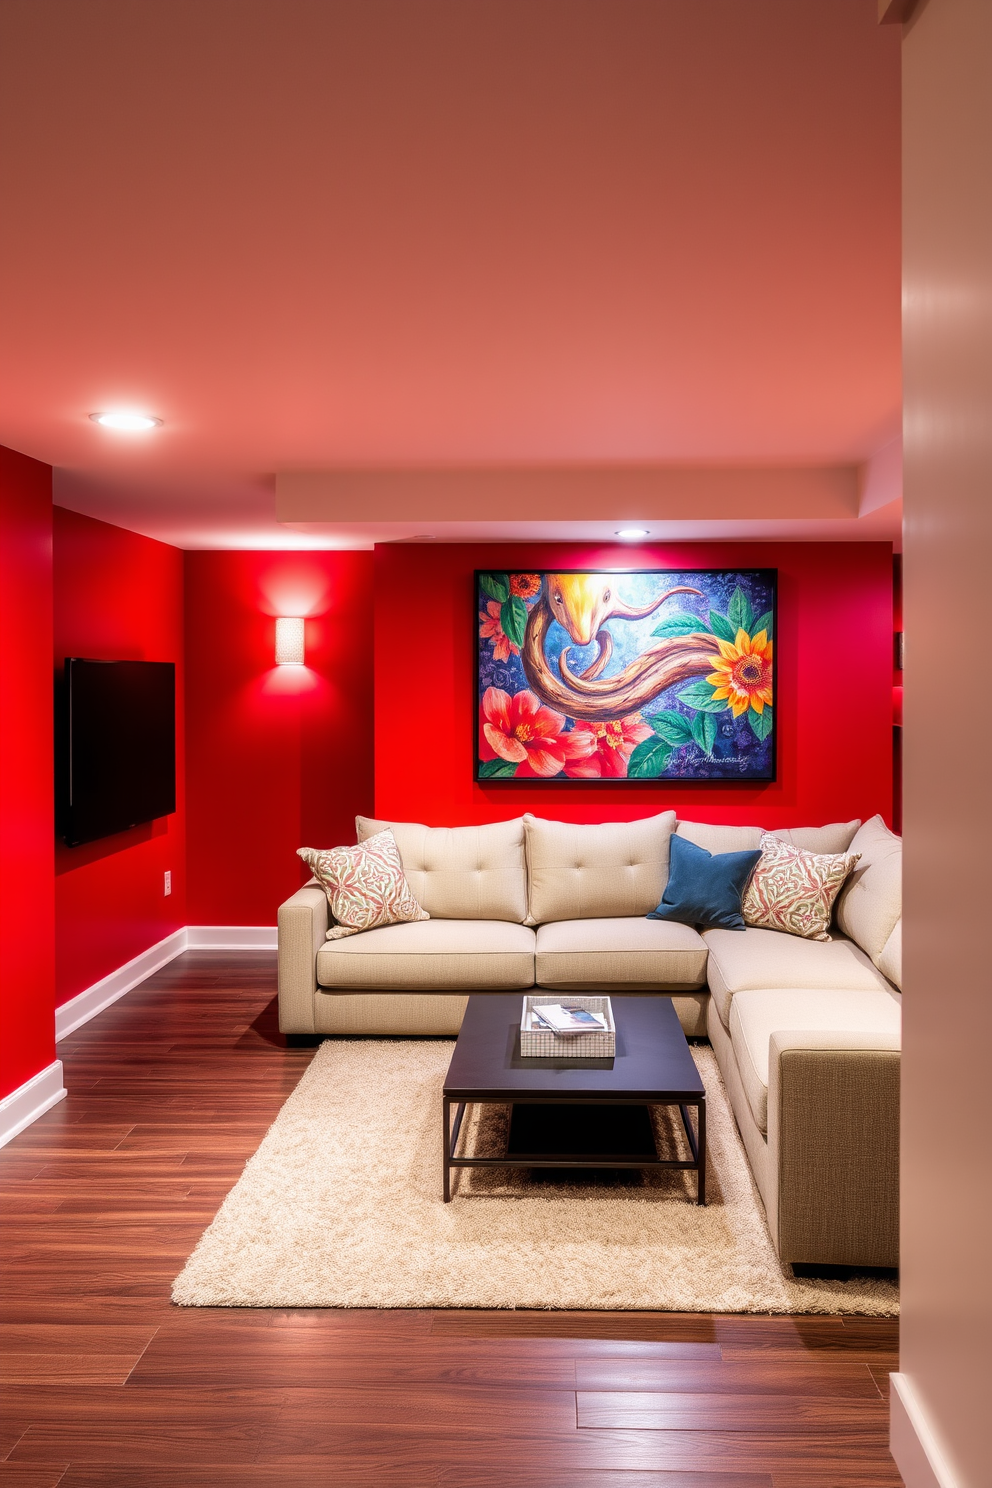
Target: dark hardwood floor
[{"x": 108, "y": 1385}]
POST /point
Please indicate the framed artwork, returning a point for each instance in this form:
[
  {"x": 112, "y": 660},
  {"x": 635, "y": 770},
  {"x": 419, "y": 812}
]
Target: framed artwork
[{"x": 606, "y": 676}]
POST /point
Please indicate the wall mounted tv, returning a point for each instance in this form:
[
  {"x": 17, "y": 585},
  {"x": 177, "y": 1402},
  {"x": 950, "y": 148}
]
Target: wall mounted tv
[{"x": 118, "y": 746}]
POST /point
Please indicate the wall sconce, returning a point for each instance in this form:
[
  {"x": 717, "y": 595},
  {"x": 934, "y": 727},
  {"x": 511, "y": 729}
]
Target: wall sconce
[{"x": 289, "y": 643}]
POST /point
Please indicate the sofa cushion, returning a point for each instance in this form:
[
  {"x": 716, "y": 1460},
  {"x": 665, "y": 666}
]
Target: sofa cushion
[
  {"x": 833, "y": 838},
  {"x": 767, "y": 958},
  {"x": 866, "y": 1020},
  {"x": 365, "y": 885},
  {"x": 462, "y": 873},
  {"x": 705, "y": 888},
  {"x": 794, "y": 890},
  {"x": 581, "y": 872},
  {"x": 643, "y": 955},
  {"x": 890, "y": 961},
  {"x": 871, "y": 901},
  {"x": 439, "y": 955}
]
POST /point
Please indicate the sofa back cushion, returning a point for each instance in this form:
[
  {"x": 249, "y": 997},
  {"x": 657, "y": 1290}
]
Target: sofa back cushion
[
  {"x": 591, "y": 872},
  {"x": 870, "y": 904},
  {"x": 890, "y": 961},
  {"x": 834, "y": 838},
  {"x": 462, "y": 873},
  {"x": 720, "y": 839}
]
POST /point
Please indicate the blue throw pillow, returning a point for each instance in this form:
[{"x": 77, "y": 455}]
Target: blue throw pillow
[{"x": 705, "y": 888}]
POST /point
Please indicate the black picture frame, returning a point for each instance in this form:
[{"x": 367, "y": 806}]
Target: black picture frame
[{"x": 532, "y": 640}]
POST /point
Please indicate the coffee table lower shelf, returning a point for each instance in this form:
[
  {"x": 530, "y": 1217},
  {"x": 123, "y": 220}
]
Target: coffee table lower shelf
[{"x": 571, "y": 1160}]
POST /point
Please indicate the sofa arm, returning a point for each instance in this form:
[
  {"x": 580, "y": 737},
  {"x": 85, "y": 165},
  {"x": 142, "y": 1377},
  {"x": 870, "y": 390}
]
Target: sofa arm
[
  {"x": 833, "y": 1130},
  {"x": 302, "y": 931}
]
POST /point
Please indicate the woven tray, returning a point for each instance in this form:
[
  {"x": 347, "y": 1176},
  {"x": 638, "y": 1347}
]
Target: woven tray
[{"x": 544, "y": 1043}]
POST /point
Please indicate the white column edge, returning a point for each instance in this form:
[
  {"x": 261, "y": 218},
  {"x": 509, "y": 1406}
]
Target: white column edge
[
  {"x": 912, "y": 1441},
  {"x": 87, "y": 1004},
  {"x": 31, "y": 1100}
]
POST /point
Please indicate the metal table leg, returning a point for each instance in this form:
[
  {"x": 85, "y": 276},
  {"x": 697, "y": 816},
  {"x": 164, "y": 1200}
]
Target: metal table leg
[{"x": 450, "y": 1141}]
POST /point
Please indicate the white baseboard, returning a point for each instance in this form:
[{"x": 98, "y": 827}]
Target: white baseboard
[
  {"x": 30, "y": 1100},
  {"x": 79, "y": 1010},
  {"x": 231, "y": 937},
  {"x": 911, "y": 1440},
  {"x": 45, "y": 1089}
]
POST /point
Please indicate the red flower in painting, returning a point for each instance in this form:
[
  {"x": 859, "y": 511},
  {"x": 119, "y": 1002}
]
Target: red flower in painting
[
  {"x": 492, "y": 630},
  {"x": 611, "y": 745},
  {"x": 521, "y": 730},
  {"x": 524, "y": 586}
]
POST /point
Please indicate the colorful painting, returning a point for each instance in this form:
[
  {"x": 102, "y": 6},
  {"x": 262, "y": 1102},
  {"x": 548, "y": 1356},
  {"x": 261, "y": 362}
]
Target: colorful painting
[{"x": 609, "y": 677}]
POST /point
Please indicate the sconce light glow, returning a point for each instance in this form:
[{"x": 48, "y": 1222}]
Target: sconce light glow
[
  {"x": 131, "y": 423},
  {"x": 631, "y": 534},
  {"x": 290, "y": 648}
]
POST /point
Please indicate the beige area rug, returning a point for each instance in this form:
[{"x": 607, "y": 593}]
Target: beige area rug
[{"x": 341, "y": 1207}]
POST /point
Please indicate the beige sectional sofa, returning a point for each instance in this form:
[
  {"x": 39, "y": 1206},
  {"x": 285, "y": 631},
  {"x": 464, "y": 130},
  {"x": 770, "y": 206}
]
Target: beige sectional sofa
[{"x": 806, "y": 1032}]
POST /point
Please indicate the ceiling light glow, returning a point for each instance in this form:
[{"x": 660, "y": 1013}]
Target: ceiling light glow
[
  {"x": 630, "y": 534},
  {"x": 130, "y": 422}
]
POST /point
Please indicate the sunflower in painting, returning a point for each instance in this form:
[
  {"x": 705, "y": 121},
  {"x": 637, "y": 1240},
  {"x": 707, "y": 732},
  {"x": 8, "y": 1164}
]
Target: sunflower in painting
[
  {"x": 743, "y": 673},
  {"x": 525, "y": 585}
]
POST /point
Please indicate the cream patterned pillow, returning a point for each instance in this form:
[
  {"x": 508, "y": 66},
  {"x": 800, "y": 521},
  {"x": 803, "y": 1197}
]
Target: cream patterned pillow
[
  {"x": 793, "y": 890},
  {"x": 365, "y": 885}
]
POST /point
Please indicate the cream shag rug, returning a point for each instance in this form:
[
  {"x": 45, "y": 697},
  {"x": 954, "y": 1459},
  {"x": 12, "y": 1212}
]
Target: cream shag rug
[{"x": 341, "y": 1207}]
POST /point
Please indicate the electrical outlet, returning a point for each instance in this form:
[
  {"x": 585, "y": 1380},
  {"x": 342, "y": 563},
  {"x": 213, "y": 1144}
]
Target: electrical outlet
[{"x": 168, "y": 881}]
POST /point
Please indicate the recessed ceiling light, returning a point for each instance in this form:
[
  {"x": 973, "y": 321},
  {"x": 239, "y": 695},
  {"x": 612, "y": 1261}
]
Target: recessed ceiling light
[
  {"x": 131, "y": 422},
  {"x": 629, "y": 534}
]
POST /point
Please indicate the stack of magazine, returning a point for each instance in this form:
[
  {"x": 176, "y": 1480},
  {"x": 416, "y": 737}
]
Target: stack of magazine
[{"x": 567, "y": 1020}]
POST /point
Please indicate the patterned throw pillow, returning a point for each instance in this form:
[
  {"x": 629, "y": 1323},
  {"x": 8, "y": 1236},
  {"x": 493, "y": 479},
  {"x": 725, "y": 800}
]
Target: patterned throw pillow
[
  {"x": 793, "y": 890},
  {"x": 365, "y": 885}
]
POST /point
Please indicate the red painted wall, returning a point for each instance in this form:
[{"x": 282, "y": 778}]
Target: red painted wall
[
  {"x": 834, "y": 686},
  {"x": 278, "y": 757},
  {"x": 27, "y": 914},
  {"x": 118, "y": 597}
]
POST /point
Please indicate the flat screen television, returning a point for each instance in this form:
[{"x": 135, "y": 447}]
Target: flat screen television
[{"x": 118, "y": 746}]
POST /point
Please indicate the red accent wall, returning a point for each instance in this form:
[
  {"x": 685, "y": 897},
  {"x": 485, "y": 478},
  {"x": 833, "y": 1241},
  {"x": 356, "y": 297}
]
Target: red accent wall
[
  {"x": 834, "y": 684},
  {"x": 118, "y": 597},
  {"x": 278, "y": 757},
  {"x": 27, "y": 967}
]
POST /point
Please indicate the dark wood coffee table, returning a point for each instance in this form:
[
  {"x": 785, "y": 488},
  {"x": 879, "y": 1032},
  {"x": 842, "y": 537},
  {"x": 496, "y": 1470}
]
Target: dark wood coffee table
[{"x": 652, "y": 1067}]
